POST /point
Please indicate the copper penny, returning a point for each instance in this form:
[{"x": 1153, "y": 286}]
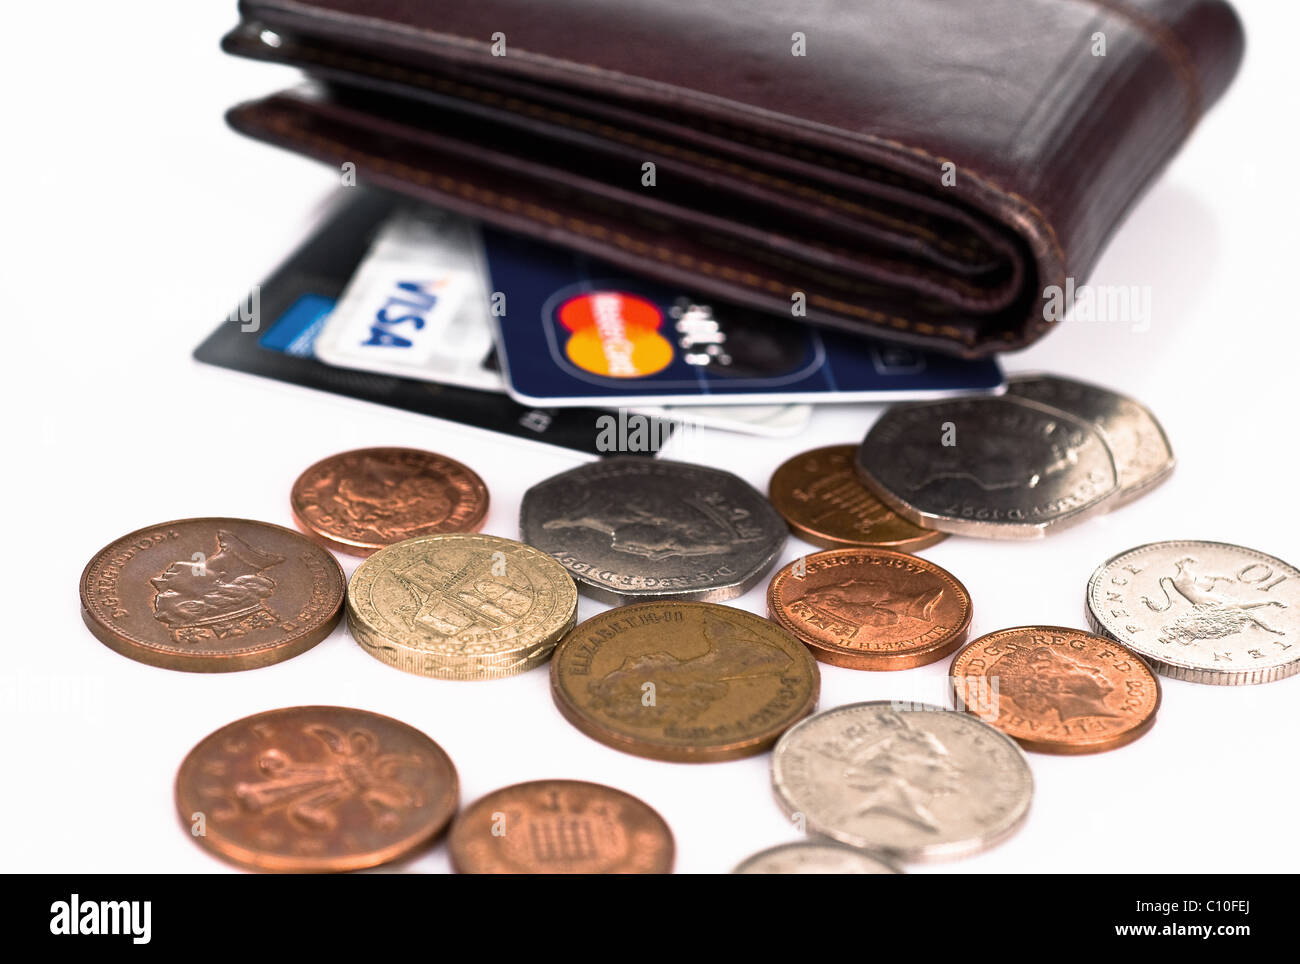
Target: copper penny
[
  {"x": 821, "y": 499},
  {"x": 871, "y": 608},
  {"x": 560, "y": 827},
  {"x": 212, "y": 595},
  {"x": 311, "y": 789},
  {"x": 1057, "y": 690},
  {"x": 360, "y": 501},
  {"x": 683, "y": 681}
]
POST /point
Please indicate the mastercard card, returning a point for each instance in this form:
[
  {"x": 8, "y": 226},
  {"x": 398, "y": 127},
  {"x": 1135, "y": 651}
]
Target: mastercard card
[{"x": 573, "y": 330}]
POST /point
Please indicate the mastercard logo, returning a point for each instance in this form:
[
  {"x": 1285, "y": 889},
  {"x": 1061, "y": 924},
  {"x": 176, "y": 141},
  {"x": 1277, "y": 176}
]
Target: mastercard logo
[{"x": 616, "y": 334}]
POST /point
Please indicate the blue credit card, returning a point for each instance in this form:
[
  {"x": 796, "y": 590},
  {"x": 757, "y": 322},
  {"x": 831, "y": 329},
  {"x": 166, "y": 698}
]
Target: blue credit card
[{"x": 577, "y": 331}]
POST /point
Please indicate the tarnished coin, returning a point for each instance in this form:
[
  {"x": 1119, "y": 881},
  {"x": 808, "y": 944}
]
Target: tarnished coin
[
  {"x": 1137, "y": 442},
  {"x": 360, "y": 501},
  {"x": 632, "y": 528},
  {"x": 460, "y": 606},
  {"x": 913, "y": 781},
  {"x": 871, "y": 608},
  {"x": 560, "y": 827},
  {"x": 315, "y": 789},
  {"x": 212, "y": 595},
  {"x": 1207, "y": 612},
  {"x": 815, "y": 857},
  {"x": 1057, "y": 690},
  {"x": 688, "y": 682},
  {"x": 823, "y": 502},
  {"x": 998, "y": 467}
]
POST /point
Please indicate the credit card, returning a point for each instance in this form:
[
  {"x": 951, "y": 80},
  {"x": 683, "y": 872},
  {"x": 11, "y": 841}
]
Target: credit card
[
  {"x": 578, "y": 331},
  {"x": 273, "y": 333}
]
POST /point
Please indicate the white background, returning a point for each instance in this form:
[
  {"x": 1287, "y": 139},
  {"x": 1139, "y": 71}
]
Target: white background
[{"x": 133, "y": 220}]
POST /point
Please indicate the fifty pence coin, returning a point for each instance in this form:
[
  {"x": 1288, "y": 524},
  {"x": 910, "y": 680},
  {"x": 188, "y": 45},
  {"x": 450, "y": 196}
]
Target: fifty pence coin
[
  {"x": 1057, "y": 690},
  {"x": 1206, "y": 612},
  {"x": 360, "y": 501},
  {"x": 460, "y": 606},
  {"x": 913, "y": 781},
  {"x": 1143, "y": 456},
  {"x": 995, "y": 467},
  {"x": 687, "y": 682},
  {"x": 212, "y": 595},
  {"x": 824, "y": 504},
  {"x": 631, "y": 528},
  {"x": 560, "y": 827},
  {"x": 871, "y": 608},
  {"x": 315, "y": 788},
  {"x": 815, "y": 857}
]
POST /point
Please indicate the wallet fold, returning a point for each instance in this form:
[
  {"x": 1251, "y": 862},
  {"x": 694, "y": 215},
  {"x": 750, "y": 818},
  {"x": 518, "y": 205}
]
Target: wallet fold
[{"x": 918, "y": 170}]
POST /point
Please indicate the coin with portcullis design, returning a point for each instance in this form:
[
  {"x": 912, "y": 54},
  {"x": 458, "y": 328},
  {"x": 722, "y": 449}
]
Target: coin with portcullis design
[
  {"x": 560, "y": 827},
  {"x": 909, "y": 780},
  {"x": 631, "y": 528},
  {"x": 212, "y": 595},
  {"x": 815, "y": 857},
  {"x": 360, "y": 501},
  {"x": 1206, "y": 612},
  {"x": 687, "y": 682},
  {"x": 460, "y": 606},
  {"x": 871, "y": 608},
  {"x": 824, "y": 504},
  {"x": 1057, "y": 690},
  {"x": 311, "y": 789}
]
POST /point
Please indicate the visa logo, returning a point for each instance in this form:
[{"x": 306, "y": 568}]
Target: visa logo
[{"x": 410, "y": 307}]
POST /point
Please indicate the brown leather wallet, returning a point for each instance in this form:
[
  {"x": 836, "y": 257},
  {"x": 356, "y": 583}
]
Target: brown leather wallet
[{"x": 920, "y": 170}]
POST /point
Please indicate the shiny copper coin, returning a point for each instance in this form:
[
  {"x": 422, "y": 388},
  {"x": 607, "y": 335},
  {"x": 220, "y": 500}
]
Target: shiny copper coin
[
  {"x": 821, "y": 499},
  {"x": 683, "y": 681},
  {"x": 311, "y": 789},
  {"x": 360, "y": 501},
  {"x": 212, "y": 595},
  {"x": 1057, "y": 690},
  {"x": 871, "y": 608},
  {"x": 560, "y": 827}
]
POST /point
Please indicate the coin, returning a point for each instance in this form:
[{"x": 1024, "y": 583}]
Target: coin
[
  {"x": 1207, "y": 612},
  {"x": 1143, "y": 456},
  {"x": 211, "y": 595},
  {"x": 360, "y": 501},
  {"x": 998, "y": 467},
  {"x": 631, "y": 528},
  {"x": 560, "y": 827},
  {"x": 687, "y": 682},
  {"x": 1057, "y": 690},
  {"x": 814, "y": 857},
  {"x": 460, "y": 606},
  {"x": 871, "y": 608},
  {"x": 909, "y": 780},
  {"x": 824, "y": 504},
  {"x": 315, "y": 789}
]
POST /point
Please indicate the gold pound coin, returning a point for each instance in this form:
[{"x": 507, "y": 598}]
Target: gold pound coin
[{"x": 460, "y": 606}]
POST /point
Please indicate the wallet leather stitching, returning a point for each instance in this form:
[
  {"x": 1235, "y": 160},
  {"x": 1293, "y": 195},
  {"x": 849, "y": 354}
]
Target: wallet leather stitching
[
  {"x": 554, "y": 218},
  {"x": 1173, "y": 49}
]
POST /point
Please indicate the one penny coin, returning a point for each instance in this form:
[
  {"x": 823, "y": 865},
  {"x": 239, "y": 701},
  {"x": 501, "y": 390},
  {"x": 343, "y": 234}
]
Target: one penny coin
[
  {"x": 871, "y": 608},
  {"x": 820, "y": 497},
  {"x": 315, "y": 789},
  {"x": 360, "y": 501},
  {"x": 687, "y": 682},
  {"x": 560, "y": 827},
  {"x": 212, "y": 595},
  {"x": 1057, "y": 690}
]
